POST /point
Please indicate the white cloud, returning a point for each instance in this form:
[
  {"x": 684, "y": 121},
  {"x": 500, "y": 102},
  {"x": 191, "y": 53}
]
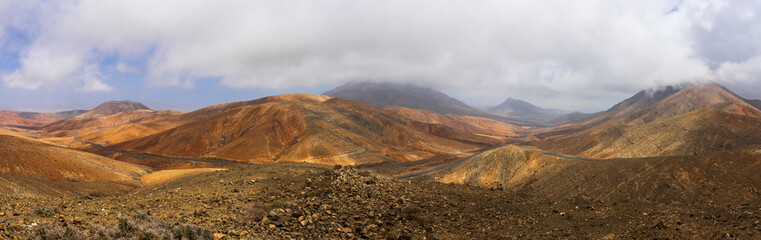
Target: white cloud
[
  {"x": 92, "y": 79},
  {"x": 126, "y": 68},
  {"x": 544, "y": 51}
]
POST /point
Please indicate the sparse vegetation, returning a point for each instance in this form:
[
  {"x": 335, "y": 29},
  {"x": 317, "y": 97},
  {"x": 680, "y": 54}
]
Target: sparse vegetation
[
  {"x": 45, "y": 211},
  {"x": 49, "y": 231},
  {"x": 138, "y": 226},
  {"x": 254, "y": 213}
]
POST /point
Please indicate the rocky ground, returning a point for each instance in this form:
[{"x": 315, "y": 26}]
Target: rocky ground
[{"x": 301, "y": 201}]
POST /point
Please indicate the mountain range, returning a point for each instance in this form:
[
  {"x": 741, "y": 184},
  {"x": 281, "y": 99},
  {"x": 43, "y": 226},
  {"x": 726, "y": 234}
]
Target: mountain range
[{"x": 680, "y": 147}]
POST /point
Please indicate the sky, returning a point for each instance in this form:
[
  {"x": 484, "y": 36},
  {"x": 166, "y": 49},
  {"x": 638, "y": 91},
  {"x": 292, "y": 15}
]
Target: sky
[{"x": 583, "y": 55}]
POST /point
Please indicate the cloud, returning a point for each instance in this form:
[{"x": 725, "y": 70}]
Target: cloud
[
  {"x": 575, "y": 53},
  {"x": 91, "y": 77}
]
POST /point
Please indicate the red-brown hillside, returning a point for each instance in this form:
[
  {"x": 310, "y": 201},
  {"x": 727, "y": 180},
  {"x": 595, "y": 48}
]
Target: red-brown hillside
[
  {"x": 51, "y": 170},
  {"x": 303, "y": 128}
]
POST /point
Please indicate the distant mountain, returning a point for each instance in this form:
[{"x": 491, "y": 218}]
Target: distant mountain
[
  {"x": 524, "y": 110},
  {"x": 72, "y": 113},
  {"x": 106, "y": 115},
  {"x": 384, "y": 95},
  {"x": 400, "y": 95},
  {"x": 111, "y": 107},
  {"x": 304, "y": 128},
  {"x": 475, "y": 125},
  {"x": 755, "y": 102}
]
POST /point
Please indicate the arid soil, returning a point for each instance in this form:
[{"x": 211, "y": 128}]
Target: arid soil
[{"x": 304, "y": 201}]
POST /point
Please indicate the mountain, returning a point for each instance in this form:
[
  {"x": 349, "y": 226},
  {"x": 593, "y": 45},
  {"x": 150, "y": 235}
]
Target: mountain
[
  {"x": 112, "y": 107},
  {"x": 385, "y": 94},
  {"x": 106, "y": 115},
  {"x": 698, "y": 132},
  {"x": 755, "y": 102},
  {"x": 524, "y": 110},
  {"x": 650, "y": 106},
  {"x": 304, "y": 128},
  {"x": 400, "y": 95},
  {"x": 657, "y": 104},
  {"x": 32, "y": 168},
  {"x": 72, "y": 113},
  {"x": 692, "y": 120}
]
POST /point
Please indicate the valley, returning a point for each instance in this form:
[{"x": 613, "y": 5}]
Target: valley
[{"x": 679, "y": 162}]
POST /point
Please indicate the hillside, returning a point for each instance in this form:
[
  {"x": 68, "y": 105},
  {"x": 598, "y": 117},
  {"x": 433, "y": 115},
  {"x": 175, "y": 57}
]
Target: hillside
[
  {"x": 657, "y": 104},
  {"x": 729, "y": 177},
  {"x": 303, "y": 128},
  {"x": 474, "y": 125},
  {"x": 75, "y": 124},
  {"x": 31, "y": 119},
  {"x": 523, "y": 110},
  {"x": 695, "y": 133},
  {"x": 35, "y": 168},
  {"x": 500, "y": 167}
]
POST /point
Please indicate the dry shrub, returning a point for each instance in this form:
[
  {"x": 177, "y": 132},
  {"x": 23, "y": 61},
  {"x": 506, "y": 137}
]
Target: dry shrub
[
  {"x": 253, "y": 213},
  {"x": 49, "y": 231}
]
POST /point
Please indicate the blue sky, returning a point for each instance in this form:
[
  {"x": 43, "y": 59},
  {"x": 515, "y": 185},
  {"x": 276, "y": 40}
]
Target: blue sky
[{"x": 586, "y": 55}]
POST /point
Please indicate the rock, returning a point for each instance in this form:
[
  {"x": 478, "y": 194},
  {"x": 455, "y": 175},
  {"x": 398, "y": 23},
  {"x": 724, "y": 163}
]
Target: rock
[
  {"x": 272, "y": 226},
  {"x": 275, "y": 214},
  {"x": 434, "y": 236},
  {"x": 218, "y": 236}
]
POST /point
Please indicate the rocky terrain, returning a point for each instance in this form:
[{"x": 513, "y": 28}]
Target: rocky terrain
[{"x": 302, "y": 201}]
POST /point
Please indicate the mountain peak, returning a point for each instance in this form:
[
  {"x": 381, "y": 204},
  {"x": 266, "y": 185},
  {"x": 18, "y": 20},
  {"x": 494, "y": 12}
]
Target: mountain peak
[
  {"x": 386, "y": 94},
  {"x": 668, "y": 101},
  {"x": 112, "y": 107},
  {"x": 512, "y": 107}
]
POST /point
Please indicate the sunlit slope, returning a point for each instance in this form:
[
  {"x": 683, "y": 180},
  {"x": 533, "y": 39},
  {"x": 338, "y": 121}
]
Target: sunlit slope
[
  {"x": 302, "y": 128},
  {"x": 726, "y": 176},
  {"x": 27, "y": 164},
  {"x": 500, "y": 167},
  {"x": 698, "y": 132}
]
